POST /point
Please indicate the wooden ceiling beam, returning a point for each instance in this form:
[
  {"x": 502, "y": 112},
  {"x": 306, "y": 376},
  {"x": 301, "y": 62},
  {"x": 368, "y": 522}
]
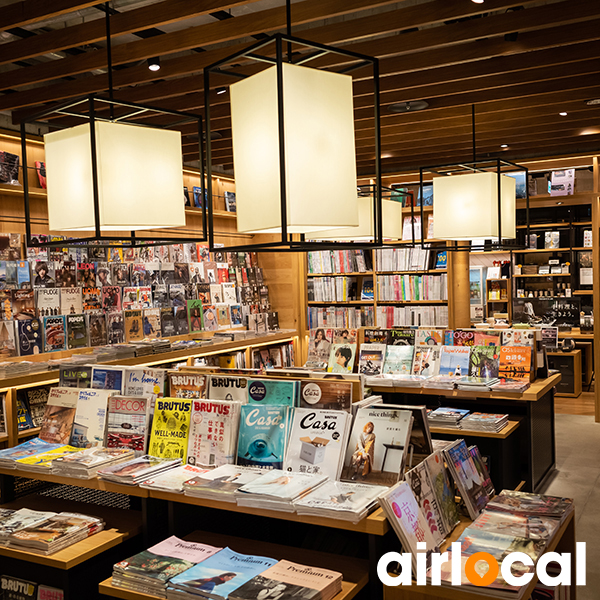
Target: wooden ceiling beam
[
  {"x": 146, "y": 17},
  {"x": 20, "y": 14}
]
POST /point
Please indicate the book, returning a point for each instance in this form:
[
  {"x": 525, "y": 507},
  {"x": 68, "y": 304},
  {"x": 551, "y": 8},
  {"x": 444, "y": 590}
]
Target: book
[
  {"x": 213, "y": 432},
  {"x": 341, "y": 358},
  {"x": 77, "y": 332},
  {"x": 515, "y": 362},
  {"x": 228, "y": 387},
  {"x": 59, "y": 415},
  {"x": 97, "y": 330},
  {"x": 263, "y": 435},
  {"x": 108, "y": 378},
  {"x": 54, "y": 333},
  {"x": 328, "y": 394},
  {"x": 371, "y": 359},
  {"x": 272, "y": 391},
  {"x": 29, "y": 335},
  {"x": 398, "y": 360},
  {"x": 127, "y": 423},
  {"x": 466, "y": 477},
  {"x": 24, "y": 420},
  {"x": 454, "y": 360},
  {"x": 134, "y": 327},
  {"x": 443, "y": 489},
  {"x": 219, "y": 575},
  {"x": 71, "y": 302},
  {"x": 426, "y": 361},
  {"x": 376, "y": 450},
  {"x": 317, "y": 442},
  {"x": 195, "y": 315},
  {"x": 90, "y": 418},
  {"x": 170, "y": 428},
  {"x": 484, "y": 362}
]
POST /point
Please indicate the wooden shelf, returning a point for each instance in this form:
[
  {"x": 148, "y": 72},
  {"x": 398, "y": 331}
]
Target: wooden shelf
[
  {"x": 223, "y": 214},
  {"x": 412, "y": 301},
  {"x": 548, "y": 275},
  {"x": 510, "y": 428},
  {"x": 417, "y": 272},
  {"x": 119, "y": 526},
  {"x": 28, "y": 432},
  {"x": 3, "y": 437},
  {"x": 550, "y": 225},
  {"x": 374, "y": 524},
  {"x": 544, "y": 250},
  {"x": 6, "y": 188},
  {"x": 578, "y": 248},
  {"x": 583, "y": 293},
  {"x": 357, "y": 274},
  {"x": 408, "y": 209},
  {"x": 355, "y": 572},
  {"x": 342, "y": 303}
]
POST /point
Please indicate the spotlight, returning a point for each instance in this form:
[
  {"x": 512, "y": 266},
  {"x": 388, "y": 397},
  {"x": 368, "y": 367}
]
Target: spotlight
[
  {"x": 478, "y": 1},
  {"x": 504, "y": 146},
  {"x": 154, "y": 63},
  {"x": 563, "y": 114},
  {"x": 221, "y": 90}
]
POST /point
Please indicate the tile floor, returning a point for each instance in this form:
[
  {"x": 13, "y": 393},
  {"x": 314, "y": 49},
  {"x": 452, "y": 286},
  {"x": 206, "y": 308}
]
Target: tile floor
[{"x": 578, "y": 476}]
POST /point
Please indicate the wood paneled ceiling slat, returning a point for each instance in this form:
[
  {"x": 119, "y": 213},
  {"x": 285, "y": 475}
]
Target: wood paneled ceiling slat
[{"x": 20, "y": 14}]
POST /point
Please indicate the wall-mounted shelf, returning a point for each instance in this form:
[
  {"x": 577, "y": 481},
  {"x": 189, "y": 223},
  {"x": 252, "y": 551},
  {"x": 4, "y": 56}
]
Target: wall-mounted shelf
[
  {"x": 541, "y": 275},
  {"x": 356, "y": 274}
]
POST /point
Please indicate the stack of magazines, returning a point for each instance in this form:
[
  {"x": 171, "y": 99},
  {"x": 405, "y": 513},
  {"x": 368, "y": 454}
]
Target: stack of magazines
[
  {"x": 9, "y": 456},
  {"x": 137, "y": 470},
  {"x": 441, "y": 382},
  {"x": 85, "y": 464},
  {"x": 476, "y": 384},
  {"x": 55, "y": 533},
  {"x": 278, "y": 490},
  {"x": 221, "y": 483},
  {"x": 450, "y": 418},
  {"x": 173, "y": 479},
  {"x": 42, "y": 463},
  {"x": 149, "y": 571},
  {"x": 522, "y": 503},
  {"x": 13, "y": 369},
  {"x": 340, "y": 500},
  {"x": 15, "y": 520},
  {"x": 511, "y": 386},
  {"x": 477, "y": 421}
]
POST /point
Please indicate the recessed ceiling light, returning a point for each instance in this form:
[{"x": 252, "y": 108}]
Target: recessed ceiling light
[
  {"x": 504, "y": 146},
  {"x": 413, "y": 106},
  {"x": 594, "y": 102},
  {"x": 559, "y": 203},
  {"x": 221, "y": 90},
  {"x": 154, "y": 63},
  {"x": 478, "y": 1},
  {"x": 563, "y": 113}
]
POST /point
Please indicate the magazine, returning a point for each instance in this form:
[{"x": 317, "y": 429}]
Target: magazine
[
  {"x": 59, "y": 415},
  {"x": 444, "y": 490},
  {"x": 29, "y": 333},
  {"x": 144, "y": 382},
  {"x": 97, "y": 330},
  {"x": 228, "y": 387},
  {"x": 454, "y": 361},
  {"x": 427, "y": 361},
  {"x": 108, "y": 378},
  {"x": 341, "y": 358},
  {"x": 19, "y": 519},
  {"x": 319, "y": 345},
  {"x": 525, "y": 526},
  {"x": 71, "y": 302},
  {"x": 398, "y": 360},
  {"x": 90, "y": 418},
  {"x": 55, "y": 334},
  {"x": 515, "y": 362},
  {"x": 484, "y": 362},
  {"x": 127, "y": 423},
  {"x": 222, "y": 482},
  {"x": 8, "y": 456},
  {"x": 325, "y": 394},
  {"x": 371, "y": 359},
  {"x": 272, "y": 391},
  {"x": 187, "y": 385},
  {"x": 134, "y": 327},
  {"x": 173, "y": 479},
  {"x": 77, "y": 332},
  {"x": 524, "y": 503}
]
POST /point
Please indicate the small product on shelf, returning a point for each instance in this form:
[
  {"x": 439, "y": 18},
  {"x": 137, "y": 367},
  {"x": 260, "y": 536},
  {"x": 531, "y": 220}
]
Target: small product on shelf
[
  {"x": 139, "y": 469},
  {"x": 12, "y": 521},
  {"x": 478, "y": 421}
]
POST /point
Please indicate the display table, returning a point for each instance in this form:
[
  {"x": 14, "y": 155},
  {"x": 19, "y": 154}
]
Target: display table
[{"x": 527, "y": 441}]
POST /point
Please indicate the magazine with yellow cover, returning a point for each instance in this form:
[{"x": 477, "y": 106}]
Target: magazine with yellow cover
[
  {"x": 44, "y": 461},
  {"x": 170, "y": 428}
]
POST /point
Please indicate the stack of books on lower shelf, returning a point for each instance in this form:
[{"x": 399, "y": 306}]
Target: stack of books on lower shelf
[
  {"x": 221, "y": 483},
  {"x": 14, "y": 520},
  {"x": 9, "y": 456},
  {"x": 450, "y": 418},
  {"x": 137, "y": 470},
  {"x": 85, "y": 464},
  {"x": 13, "y": 369},
  {"x": 491, "y": 423}
]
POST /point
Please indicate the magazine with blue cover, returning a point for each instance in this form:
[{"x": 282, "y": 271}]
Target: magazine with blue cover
[
  {"x": 220, "y": 574},
  {"x": 263, "y": 435},
  {"x": 108, "y": 378},
  {"x": 272, "y": 391},
  {"x": 454, "y": 360},
  {"x": 28, "y": 448}
]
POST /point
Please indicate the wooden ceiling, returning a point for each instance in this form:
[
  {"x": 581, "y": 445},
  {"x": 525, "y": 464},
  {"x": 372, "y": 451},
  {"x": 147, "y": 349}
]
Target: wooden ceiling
[{"x": 519, "y": 63}]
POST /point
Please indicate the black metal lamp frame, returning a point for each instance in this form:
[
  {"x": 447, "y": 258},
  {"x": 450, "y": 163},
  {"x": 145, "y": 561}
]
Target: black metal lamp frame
[
  {"x": 287, "y": 241},
  {"x": 496, "y": 165},
  {"x": 86, "y": 108}
]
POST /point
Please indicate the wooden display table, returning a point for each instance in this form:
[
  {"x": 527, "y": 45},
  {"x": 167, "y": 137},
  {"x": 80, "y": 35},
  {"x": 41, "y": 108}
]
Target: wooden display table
[{"x": 527, "y": 441}]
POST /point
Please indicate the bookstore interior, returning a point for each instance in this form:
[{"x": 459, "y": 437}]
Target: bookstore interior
[{"x": 389, "y": 265}]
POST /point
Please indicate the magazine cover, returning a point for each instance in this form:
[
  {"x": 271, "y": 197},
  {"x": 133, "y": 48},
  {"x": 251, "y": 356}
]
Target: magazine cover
[
  {"x": 429, "y": 337},
  {"x": 19, "y": 519},
  {"x": 518, "y": 337},
  {"x": 28, "y": 448},
  {"x": 524, "y": 503},
  {"x": 115, "y": 327},
  {"x": 120, "y": 274},
  {"x": 229, "y": 293},
  {"x": 195, "y": 315},
  {"x": 340, "y": 496},
  {"x": 92, "y": 299},
  {"x": 23, "y": 304},
  {"x": 66, "y": 274},
  {"x": 427, "y": 361},
  {"x": 228, "y": 387},
  {"x": 463, "y": 337},
  {"x": 223, "y": 316},
  {"x": 319, "y": 344},
  {"x": 97, "y": 330},
  {"x": 420, "y": 436},
  {"x": 54, "y": 334},
  {"x": 77, "y": 332},
  {"x": 172, "y": 480},
  {"x": 203, "y": 291},
  {"x": 187, "y": 385},
  {"x": 127, "y": 423},
  {"x": 399, "y": 360},
  {"x": 170, "y": 428},
  {"x": 216, "y": 293},
  {"x": 111, "y": 298},
  {"x": 444, "y": 490},
  {"x": 70, "y": 301},
  {"x": 90, "y": 418},
  {"x": 484, "y": 362},
  {"x": 376, "y": 448},
  {"x": 151, "y": 323},
  {"x": 401, "y": 337},
  {"x": 341, "y": 358},
  {"x": 221, "y": 574},
  {"x": 167, "y": 322},
  {"x": 210, "y": 317},
  {"x": 328, "y": 394},
  {"x": 515, "y": 362},
  {"x": 30, "y": 337},
  {"x": 107, "y": 378},
  {"x": 371, "y": 359},
  {"x": 454, "y": 361},
  {"x": 59, "y": 415},
  {"x": 86, "y": 275},
  {"x": 76, "y": 376},
  {"x": 272, "y": 391},
  {"x": 130, "y": 298},
  {"x": 344, "y": 336},
  {"x": 37, "y": 399},
  {"x": 236, "y": 316},
  {"x": 144, "y": 381},
  {"x": 376, "y": 336},
  {"x": 48, "y": 302},
  {"x": 138, "y": 274},
  {"x": 223, "y": 481},
  {"x": 317, "y": 441},
  {"x": 134, "y": 327},
  {"x": 263, "y": 435},
  {"x": 24, "y": 420},
  {"x": 213, "y": 432},
  {"x": 145, "y": 297},
  {"x": 181, "y": 320},
  {"x": 8, "y": 345},
  {"x": 18, "y": 589},
  {"x": 524, "y": 526},
  {"x": 488, "y": 338}
]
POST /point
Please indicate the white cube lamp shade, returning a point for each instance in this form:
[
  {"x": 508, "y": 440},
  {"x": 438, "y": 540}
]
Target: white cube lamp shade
[
  {"x": 320, "y": 157},
  {"x": 140, "y": 178},
  {"x": 466, "y": 206},
  {"x": 391, "y": 217}
]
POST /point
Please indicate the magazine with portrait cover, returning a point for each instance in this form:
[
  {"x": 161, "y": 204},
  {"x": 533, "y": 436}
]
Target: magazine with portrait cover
[
  {"x": 454, "y": 361},
  {"x": 319, "y": 345},
  {"x": 108, "y": 378},
  {"x": 92, "y": 299},
  {"x": 287, "y": 581},
  {"x": 213, "y": 432},
  {"x": 221, "y": 483},
  {"x": 181, "y": 320},
  {"x": 90, "y": 418},
  {"x": 29, "y": 334},
  {"x": 170, "y": 428},
  {"x": 399, "y": 360},
  {"x": 210, "y": 318},
  {"x": 317, "y": 441},
  {"x": 97, "y": 330},
  {"x": 59, "y": 415},
  {"x": 470, "y": 485},
  {"x": 127, "y": 423},
  {"x": 111, "y": 298},
  {"x": 227, "y": 387},
  {"x": 86, "y": 274},
  {"x": 145, "y": 296},
  {"x": 167, "y": 322},
  {"x": 47, "y": 301},
  {"x": 263, "y": 435},
  {"x": 65, "y": 273},
  {"x": 103, "y": 274},
  {"x": 160, "y": 296},
  {"x": 376, "y": 450},
  {"x": 341, "y": 358},
  {"x": 139, "y": 469},
  {"x": 77, "y": 332},
  {"x": 120, "y": 274},
  {"x": 71, "y": 302},
  {"x": 151, "y": 323},
  {"x": 371, "y": 358},
  {"x": 12, "y": 521},
  {"x": 223, "y": 316},
  {"x": 340, "y": 500},
  {"x": 173, "y": 479},
  {"x": 130, "y": 298},
  {"x": 115, "y": 327},
  {"x": 328, "y": 394}
]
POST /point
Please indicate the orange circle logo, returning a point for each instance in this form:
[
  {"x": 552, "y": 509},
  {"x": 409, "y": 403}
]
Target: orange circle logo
[{"x": 487, "y": 578}]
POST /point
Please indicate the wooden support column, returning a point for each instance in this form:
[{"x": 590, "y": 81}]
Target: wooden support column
[
  {"x": 459, "y": 295},
  {"x": 596, "y": 265}
]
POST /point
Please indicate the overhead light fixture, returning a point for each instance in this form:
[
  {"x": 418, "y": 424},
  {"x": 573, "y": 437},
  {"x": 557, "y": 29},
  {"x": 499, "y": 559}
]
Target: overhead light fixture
[
  {"x": 221, "y": 90},
  {"x": 559, "y": 203},
  {"x": 404, "y": 107},
  {"x": 477, "y": 1},
  {"x": 154, "y": 63},
  {"x": 504, "y": 146},
  {"x": 563, "y": 113},
  {"x": 593, "y": 102}
]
